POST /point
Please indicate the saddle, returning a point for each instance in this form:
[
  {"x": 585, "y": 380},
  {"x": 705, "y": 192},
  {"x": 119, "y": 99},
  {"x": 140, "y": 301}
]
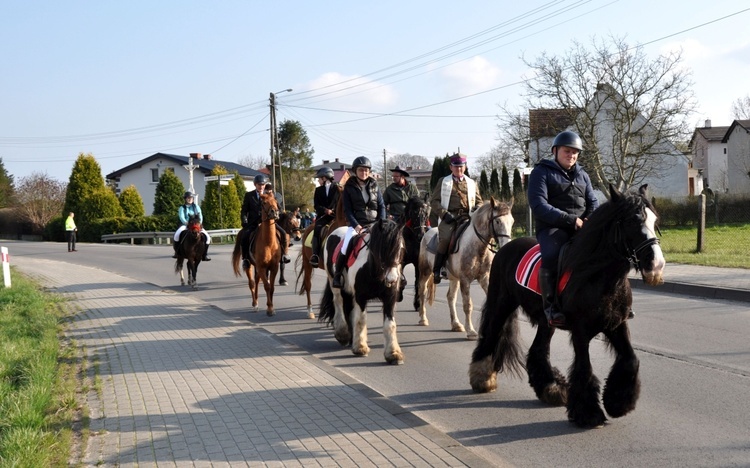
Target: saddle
[
  {"x": 357, "y": 243},
  {"x": 323, "y": 234},
  {"x": 463, "y": 223},
  {"x": 527, "y": 272}
]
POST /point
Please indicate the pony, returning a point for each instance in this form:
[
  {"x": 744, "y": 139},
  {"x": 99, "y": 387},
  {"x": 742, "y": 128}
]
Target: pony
[
  {"x": 302, "y": 264},
  {"x": 618, "y": 236},
  {"x": 265, "y": 255},
  {"x": 374, "y": 274},
  {"x": 416, "y": 222},
  {"x": 490, "y": 227},
  {"x": 192, "y": 246}
]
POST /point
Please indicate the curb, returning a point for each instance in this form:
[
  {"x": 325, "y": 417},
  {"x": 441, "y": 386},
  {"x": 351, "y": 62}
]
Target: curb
[{"x": 696, "y": 290}]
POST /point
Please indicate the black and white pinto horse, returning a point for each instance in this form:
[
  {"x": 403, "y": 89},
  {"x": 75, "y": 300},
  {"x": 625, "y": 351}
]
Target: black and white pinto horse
[
  {"x": 375, "y": 274},
  {"x": 618, "y": 236},
  {"x": 416, "y": 222},
  {"x": 192, "y": 247},
  {"x": 490, "y": 227}
]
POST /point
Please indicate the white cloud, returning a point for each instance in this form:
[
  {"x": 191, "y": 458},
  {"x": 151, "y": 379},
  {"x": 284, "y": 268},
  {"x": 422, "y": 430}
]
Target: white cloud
[
  {"x": 351, "y": 92},
  {"x": 472, "y": 75}
]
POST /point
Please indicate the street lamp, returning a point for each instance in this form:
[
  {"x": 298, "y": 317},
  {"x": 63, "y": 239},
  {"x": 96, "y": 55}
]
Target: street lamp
[{"x": 272, "y": 105}]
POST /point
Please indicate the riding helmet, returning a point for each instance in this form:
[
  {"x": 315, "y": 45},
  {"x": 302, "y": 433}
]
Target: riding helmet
[
  {"x": 569, "y": 139},
  {"x": 261, "y": 179},
  {"x": 326, "y": 172},
  {"x": 188, "y": 195},
  {"x": 361, "y": 161}
]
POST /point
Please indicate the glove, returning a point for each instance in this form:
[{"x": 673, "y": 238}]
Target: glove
[{"x": 448, "y": 218}]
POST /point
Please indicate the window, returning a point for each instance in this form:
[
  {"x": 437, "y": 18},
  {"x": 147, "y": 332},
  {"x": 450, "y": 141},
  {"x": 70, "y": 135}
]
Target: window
[{"x": 155, "y": 175}]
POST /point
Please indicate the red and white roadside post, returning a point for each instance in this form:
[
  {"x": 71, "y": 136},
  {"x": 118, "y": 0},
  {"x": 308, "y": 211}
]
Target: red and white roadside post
[{"x": 6, "y": 265}]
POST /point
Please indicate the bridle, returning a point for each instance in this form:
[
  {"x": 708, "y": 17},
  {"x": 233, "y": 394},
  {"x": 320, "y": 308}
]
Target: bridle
[
  {"x": 271, "y": 213},
  {"x": 494, "y": 235},
  {"x": 631, "y": 254}
]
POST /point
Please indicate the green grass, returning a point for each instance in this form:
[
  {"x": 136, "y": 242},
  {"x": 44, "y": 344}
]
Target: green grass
[
  {"x": 724, "y": 246},
  {"x": 39, "y": 379}
]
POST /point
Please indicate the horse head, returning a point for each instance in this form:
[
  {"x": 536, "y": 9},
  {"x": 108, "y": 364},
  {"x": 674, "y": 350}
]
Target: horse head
[
  {"x": 194, "y": 224},
  {"x": 387, "y": 250},
  {"x": 494, "y": 221},
  {"x": 635, "y": 233},
  {"x": 417, "y": 217},
  {"x": 269, "y": 208}
]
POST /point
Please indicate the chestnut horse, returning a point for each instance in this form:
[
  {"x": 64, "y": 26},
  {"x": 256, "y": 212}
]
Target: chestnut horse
[
  {"x": 191, "y": 248},
  {"x": 302, "y": 264},
  {"x": 618, "y": 236},
  {"x": 265, "y": 255}
]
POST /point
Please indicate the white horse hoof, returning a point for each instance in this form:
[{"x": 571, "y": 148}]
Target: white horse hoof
[
  {"x": 457, "y": 327},
  {"x": 310, "y": 315},
  {"x": 472, "y": 336},
  {"x": 424, "y": 322},
  {"x": 256, "y": 308}
]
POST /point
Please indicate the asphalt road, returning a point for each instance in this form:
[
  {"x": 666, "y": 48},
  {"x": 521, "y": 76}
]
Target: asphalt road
[{"x": 694, "y": 353}]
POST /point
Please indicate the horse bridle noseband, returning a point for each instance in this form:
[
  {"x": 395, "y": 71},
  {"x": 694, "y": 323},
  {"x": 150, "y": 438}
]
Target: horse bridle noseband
[
  {"x": 631, "y": 254},
  {"x": 495, "y": 235}
]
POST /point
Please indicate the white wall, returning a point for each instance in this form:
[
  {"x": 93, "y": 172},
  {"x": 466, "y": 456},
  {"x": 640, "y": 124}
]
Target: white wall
[{"x": 738, "y": 158}]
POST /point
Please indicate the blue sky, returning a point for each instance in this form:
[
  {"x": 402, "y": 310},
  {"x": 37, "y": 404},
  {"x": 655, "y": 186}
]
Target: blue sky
[{"x": 124, "y": 80}]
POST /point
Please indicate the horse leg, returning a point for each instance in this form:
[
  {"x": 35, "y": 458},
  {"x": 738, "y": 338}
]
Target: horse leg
[
  {"x": 282, "y": 281},
  {"x": 359, "y": 322},
  {"x": 452, "y": 295},
  {"x": 178, "y": 267},
  {"x": 307, "y": 285},
  {"x": 468, "y": 306},
  {"x": 417, "y": 301},
  {"x": 623, "y": 384},
  {"x": 548, "y": 383},
  {"x": 422, "y": 292},
  {"x": 340, "y": 326},
  {"x": 269, "y": 287},
  {"x": 583, "y": 396},
  {"x": 392, "y": 351},
  {"x": 252, "y": 280}
]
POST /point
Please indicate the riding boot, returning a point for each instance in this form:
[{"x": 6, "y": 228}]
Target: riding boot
[
  {"x": 176, "y": 246},
  {"x": 548, "y": 283},
  {"x": 338, "y": 271},
  {"x": 284, "y": 246},
  {"x": 206, "y": 258},
  {"x": 316, "y": 250},
  {"x": 439, "y": 261}
]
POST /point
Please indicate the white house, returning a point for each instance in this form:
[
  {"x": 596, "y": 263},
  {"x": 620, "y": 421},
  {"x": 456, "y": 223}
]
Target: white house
[
  {"x": 145, "y": 174},
  {"x": 709, "y": 154},
  {"x": 737, "y": 139}
]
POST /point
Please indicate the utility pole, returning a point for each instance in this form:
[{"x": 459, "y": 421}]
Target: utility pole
[
  {"x": 272, "y": 131},
  {"x": 385, "y": 171}
]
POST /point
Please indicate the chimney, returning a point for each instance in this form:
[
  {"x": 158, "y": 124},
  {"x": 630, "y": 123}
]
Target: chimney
[
  {"x": 337, "y": 159},
  {"x": 708, "y": 123},
  {"x": 195, "y": 155},
  {"x": 325, "y": 161},
  {"x": 207, "y": 156}
]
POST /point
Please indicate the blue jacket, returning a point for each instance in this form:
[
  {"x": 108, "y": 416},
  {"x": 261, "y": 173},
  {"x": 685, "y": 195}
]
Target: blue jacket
[
  {"x": 185, "y": 211},
  {"x": 557, "y": 197}
]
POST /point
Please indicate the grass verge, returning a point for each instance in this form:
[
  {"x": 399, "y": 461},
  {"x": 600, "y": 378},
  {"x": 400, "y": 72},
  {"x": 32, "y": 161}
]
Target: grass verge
[
  {"x": 42, "y": 418},
  {"x": 724, "y": 246}
]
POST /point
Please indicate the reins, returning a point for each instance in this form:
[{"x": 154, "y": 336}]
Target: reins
[
  {"x": 494, "y": 235},
  {"x": 631, "y": 254}
]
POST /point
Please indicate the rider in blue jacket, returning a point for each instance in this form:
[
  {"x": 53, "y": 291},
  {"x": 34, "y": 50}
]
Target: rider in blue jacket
[
  {"x": 561, "y": 198},
  {"x": 187, "y": 209}
]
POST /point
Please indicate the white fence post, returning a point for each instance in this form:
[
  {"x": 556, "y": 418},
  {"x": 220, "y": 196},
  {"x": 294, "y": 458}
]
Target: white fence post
[{"x": 6, "y": 265}]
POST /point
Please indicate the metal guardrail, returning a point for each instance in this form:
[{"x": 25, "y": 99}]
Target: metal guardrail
[{"x": 158, "y": 236}]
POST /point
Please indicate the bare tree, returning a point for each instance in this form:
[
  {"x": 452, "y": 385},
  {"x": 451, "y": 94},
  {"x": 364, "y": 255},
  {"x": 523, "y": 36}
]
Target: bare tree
[
  {"x": 513, "y": 137},
  {"x": 254, "y": 161},
  {"x": 39, "y": 199},
  {"x": 741, "y": 108},
  {"x": 627, "y": 108},
  {"x": 405, "y": 160}
]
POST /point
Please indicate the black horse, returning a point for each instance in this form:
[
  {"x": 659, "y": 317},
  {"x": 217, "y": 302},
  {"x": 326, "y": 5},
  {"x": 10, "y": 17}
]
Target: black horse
[
  {"x": 375, "y": 274},
  {"x": 192, "y": 247},
  {"x": 618, "y": 236},
  {"x": 415, "y": 222}
]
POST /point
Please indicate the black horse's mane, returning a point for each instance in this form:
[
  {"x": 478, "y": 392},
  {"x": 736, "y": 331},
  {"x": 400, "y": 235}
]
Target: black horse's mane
[
  {"x": 594, "y": 246},
  {"x": 414, "y": 204},
  {"x": 385, "y": 243}
]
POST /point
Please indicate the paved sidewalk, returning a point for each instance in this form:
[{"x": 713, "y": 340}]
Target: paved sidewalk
[
  {"x": 183, "y": 384},
  {"x": 709, "y": 282}
]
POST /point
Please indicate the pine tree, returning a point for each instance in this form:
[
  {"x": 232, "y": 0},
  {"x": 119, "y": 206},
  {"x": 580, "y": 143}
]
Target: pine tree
[
  {"x": 224, "y": 212},
  {"x": 505, "y": 185},
  {"x": 239, "y": 184},
  {"x": 131, "y": 202},
  {"x": 7, "y": 188},
  {"x": 484, "y": 184},
  {"x": 494, "y": 184},
  {"x": 517, "y": 184},
  {"x": 168, "y": 195},
  {"x": 85, "y": 179}
]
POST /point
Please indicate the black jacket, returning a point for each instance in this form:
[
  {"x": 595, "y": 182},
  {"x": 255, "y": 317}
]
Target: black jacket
[
  {"x": 251, "y": 210},
  {"x": 323, "y": 202},
  {"x": 355, "y": 208}
]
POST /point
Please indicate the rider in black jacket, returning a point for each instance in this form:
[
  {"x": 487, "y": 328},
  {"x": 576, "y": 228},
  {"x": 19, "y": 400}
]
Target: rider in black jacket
[
  {"x": 326, "y": 198},
  {"x": 561, "y": 198},
  {"x": 251, "y": 215}
]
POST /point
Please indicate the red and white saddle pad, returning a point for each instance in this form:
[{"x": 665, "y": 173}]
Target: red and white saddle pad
[
  {"x": 527, "y": 272},
  {"x": 359, "y": 242}
]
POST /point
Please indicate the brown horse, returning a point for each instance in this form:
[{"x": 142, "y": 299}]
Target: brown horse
[
  {"x": 305, "y": 270},
  {"x": 265, "y": 255}
]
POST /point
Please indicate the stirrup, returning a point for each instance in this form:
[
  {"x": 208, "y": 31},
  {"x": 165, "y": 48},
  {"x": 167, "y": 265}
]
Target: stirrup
[
  {"x": 338, "y": 281},
  {"x": 285, "y": 258},
  {"x": 436, "y": 277},
  {"x": 314, "y": 260},
  {"x": 555, "y": 318},
  {"x": 245, "y": 264}
]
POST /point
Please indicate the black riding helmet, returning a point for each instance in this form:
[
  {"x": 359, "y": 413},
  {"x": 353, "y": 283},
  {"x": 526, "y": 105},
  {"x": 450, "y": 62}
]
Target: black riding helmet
[
  {"x": 188, "y": 195},
  {"x": 569, "y": 139},
  {"x": 260, "y": 179},
  {"x": 361, "y": 161},
  {"x": 326, "y": 172}
]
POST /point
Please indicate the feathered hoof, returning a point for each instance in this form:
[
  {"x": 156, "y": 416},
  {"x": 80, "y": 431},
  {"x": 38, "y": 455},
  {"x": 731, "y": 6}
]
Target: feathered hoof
[
  {"x": 424, "y": 322},
  {"x": 310, "y": 314},
  {"x": 472, "y": 336},
  {"x": 270, "y": 312},
  {"x": 482, "y": 376},
  {"x": 555, "y": 394},
  {"x": 457, "y": 327},
  {"x": 361, "y": 351},
  {"x": 395, "y": 359},
  {"x": 343, "y": 337},
  {"x": 593, "y": 420}
]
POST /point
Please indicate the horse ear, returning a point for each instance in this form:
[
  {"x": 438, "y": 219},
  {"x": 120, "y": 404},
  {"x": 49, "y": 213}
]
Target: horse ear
[
  {"x": 614, "y": 194},
  {"x": 510, "y": 202},
  {"x": 643, "y": 190},
  {"x": 492, "y": 202}
]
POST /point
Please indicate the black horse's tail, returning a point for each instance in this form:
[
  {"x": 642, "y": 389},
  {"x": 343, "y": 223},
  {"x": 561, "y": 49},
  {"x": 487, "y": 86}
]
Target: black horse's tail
[{"x": 327, "y": 308}]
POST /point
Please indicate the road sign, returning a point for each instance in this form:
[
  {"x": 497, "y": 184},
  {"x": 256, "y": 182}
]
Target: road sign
[{"x": 211, "y": 178}]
